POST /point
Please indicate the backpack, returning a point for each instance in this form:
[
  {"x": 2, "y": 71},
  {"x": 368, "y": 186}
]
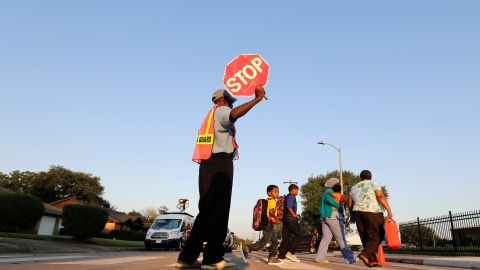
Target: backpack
[
  {"x": 281, "y": 207},
  {"x": 260, "y": 215}
]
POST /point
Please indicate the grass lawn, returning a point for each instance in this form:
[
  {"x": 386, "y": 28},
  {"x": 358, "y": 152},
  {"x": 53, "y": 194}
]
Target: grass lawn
[
  {"x": 36, "y": 237},
  {"x": 115, "y": 243},
  {"x": 95, "y": 241}
]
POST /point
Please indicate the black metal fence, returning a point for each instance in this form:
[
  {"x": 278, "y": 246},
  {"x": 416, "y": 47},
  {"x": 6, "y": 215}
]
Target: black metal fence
[{"x": 458, "y": 232}]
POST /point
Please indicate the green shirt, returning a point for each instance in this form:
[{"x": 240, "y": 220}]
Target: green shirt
[{"x": 326, "y": 203}]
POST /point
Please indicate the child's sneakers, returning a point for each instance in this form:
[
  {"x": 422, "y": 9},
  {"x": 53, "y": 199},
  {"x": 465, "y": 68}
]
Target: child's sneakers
[
  {"x": 274, "y": 261},
  {"x": 292, "y": 257},
  {"x": 245, "y": 251}
]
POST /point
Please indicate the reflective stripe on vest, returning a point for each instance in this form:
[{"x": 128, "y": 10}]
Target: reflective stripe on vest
[{"x": 205, "y": 138}]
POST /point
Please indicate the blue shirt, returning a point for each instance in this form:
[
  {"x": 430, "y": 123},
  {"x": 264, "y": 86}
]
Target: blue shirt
[{"x": 290, "y": 202}]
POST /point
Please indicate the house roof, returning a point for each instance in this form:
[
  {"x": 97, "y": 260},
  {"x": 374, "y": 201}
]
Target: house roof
[
  {"x": 72, "y": 199},
  {"x": 50, "y": 209},
  {"x": 116, "y": 216},
  {"x": 5, "y": 190},
  {"x": 121, "y": 217}
]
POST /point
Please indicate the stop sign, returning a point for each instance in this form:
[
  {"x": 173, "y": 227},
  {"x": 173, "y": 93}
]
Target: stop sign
[{"x": 244, "y": 73}]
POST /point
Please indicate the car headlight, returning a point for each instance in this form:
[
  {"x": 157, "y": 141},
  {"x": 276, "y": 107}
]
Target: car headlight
[{"x": 174, "y": 234}]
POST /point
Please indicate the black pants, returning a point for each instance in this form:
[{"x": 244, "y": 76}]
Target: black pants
[
  {"x": 215, "y": 186},
  {"x": 371, "y": 231},
  {"x": 269, "y": 234},
  {"x": 290, "y": 235}
]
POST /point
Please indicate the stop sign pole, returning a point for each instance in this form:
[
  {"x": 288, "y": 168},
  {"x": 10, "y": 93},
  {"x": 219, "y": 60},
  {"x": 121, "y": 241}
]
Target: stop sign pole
[{"x": 244, "y": 73}]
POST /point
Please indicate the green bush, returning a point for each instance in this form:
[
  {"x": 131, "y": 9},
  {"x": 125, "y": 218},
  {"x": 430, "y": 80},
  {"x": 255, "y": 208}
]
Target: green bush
[
  {"x": 84, "y": 221},
  {"x": 19, "y": 212},
  {"x": 127, "y": 235}
]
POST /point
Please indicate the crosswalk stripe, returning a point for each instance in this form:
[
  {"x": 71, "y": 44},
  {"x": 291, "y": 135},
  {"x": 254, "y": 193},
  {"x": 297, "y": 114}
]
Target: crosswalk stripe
[
  {"x": 17, "y": 259},
  {"x": 110, "y": 260},
  {"x": 173, "y": 264},
  {"x": 287, "y": 264}
]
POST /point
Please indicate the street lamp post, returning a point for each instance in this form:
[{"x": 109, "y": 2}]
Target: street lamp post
[{"x": 339, "y": 150}]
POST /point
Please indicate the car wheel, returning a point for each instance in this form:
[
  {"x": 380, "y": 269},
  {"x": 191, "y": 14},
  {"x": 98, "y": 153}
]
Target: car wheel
[
  {"x": 148, "y": 247},
  {"x": 312, "y": 250}
]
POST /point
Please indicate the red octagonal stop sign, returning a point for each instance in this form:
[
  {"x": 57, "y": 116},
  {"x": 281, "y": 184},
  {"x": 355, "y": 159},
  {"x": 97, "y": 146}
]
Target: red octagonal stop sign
[{"x": 244, "y": 72}]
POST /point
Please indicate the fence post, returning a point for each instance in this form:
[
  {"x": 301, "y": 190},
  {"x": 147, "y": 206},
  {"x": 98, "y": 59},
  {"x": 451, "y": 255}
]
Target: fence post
[
  {"x": 420, "y": 241},
  {"x": 453, "y": 231}
]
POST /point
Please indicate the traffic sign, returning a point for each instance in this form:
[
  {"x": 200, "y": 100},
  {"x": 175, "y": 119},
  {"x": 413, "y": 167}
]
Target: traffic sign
[{"x": 244, "y": 73}]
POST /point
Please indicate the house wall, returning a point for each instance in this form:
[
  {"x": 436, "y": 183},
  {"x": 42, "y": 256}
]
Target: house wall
[
  {"x": 47, "y": 225},
  {"x": 110, "y": 226}
]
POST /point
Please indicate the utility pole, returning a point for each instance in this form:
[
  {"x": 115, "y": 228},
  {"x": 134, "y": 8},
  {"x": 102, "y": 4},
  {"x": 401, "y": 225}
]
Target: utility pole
[{"x": 290, "y": 182}]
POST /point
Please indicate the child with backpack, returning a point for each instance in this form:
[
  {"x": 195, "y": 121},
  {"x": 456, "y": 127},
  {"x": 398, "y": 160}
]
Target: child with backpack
[
  {"x": 291, "y": 228},
  {"x": 270, "y": 226}
]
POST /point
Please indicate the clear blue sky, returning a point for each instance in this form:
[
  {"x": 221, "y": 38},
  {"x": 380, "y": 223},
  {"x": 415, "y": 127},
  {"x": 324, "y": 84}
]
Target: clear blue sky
[{"x": 119, "y": 89}]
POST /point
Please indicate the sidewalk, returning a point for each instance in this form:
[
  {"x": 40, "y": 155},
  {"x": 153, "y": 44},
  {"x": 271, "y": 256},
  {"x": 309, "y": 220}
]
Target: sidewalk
[{"x": 448, "y": 261}]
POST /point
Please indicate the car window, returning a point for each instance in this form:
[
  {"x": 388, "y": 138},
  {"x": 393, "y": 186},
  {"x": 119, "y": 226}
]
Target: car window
[{"x": 167, "y": 224}]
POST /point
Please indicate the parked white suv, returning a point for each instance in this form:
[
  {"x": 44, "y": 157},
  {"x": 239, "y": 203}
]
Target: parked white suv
[{"x": 169, "y": 230}]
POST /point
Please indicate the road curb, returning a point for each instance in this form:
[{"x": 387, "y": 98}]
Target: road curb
[{"x": 445, "y": 262}]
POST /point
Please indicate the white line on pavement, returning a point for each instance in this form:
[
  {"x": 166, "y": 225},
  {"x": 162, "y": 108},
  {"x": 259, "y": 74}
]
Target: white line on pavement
[
  {"x": 173, "y": 264},
  {"x": 111, "y": 260},
  {"x": 44, "y": 258},
  {"x": 16, "y": 255},
  {"x": 287, "y": 264}
]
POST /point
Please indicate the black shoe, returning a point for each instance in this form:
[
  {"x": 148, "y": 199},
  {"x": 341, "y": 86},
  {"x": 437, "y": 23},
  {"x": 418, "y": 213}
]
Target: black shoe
[
  {"x": 366, "y": 261},
  {"x": 274, "y": 261},
  {"x": 183, "y": 265},
  {"x": 223, "y": 265}
]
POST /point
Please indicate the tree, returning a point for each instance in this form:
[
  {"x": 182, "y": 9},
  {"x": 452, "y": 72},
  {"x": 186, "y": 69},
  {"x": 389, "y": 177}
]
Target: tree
[
  {"x": 84, "y": 221},
  {"x": 162, "y": 210},
  {"x": 312, "y": 191},
  {"x": 19, "y": 211},
  {"x": 134, "y": 213},
  {"x": 411, "y": 236},
  {"x": 17, "y": 181},
  {"x": 150, "y": 213},
  {"x": 55, "y": 184}
]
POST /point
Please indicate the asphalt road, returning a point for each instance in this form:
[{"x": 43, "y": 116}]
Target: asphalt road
[{"x": 166, "y": 260}]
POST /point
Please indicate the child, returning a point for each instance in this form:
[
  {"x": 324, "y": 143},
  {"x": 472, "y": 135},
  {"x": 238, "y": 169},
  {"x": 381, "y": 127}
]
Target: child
[
  {"x": 337, "y": 195},
  {"x": 291, "y": 228},
  {"x": 270, "y": 232}
]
